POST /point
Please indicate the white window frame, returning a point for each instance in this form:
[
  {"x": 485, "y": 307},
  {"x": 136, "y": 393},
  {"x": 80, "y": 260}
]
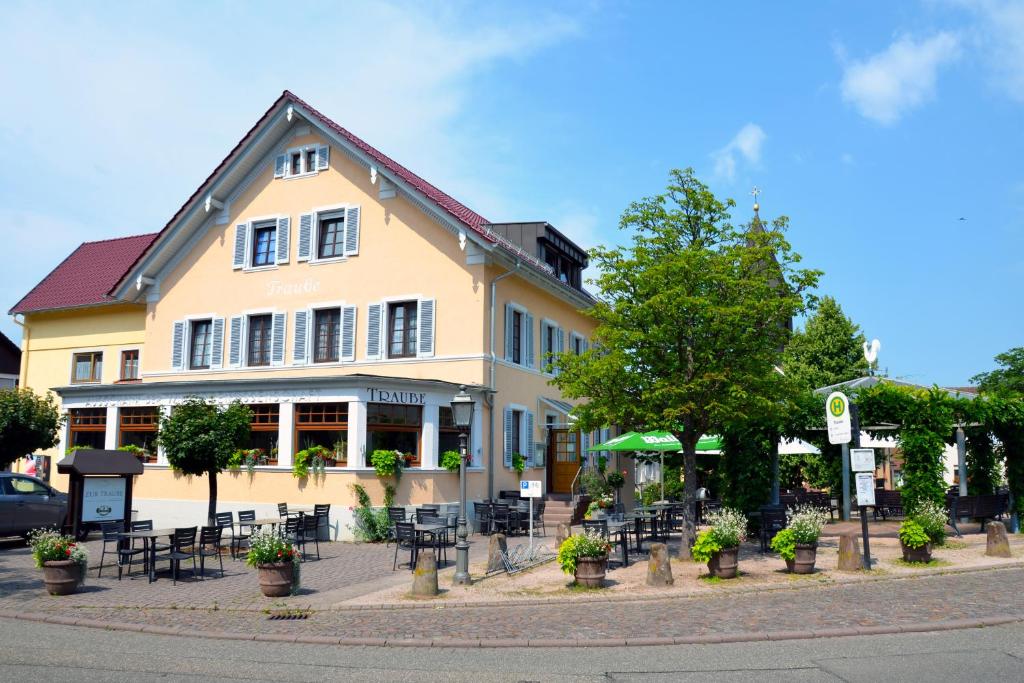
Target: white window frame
[
  {"x": 314, "y": 236},
  {"x": 573, "y": 336},
  {"x": 186, "y": 350},
  {"x": 250, "y": 236},
  {"x": 302, "y": 150}
]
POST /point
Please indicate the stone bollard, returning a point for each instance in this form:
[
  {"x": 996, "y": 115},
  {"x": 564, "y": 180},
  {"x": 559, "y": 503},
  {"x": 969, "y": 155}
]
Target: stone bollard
[
  {"x": 849, "y": 553},
  {"x": 424, "y": 578},
  {"x": 561, "y": 533},
  {"x": 659, "y": 567},
  {"x": 996, "y": 542},
  {"x": 495, "y": 547}
]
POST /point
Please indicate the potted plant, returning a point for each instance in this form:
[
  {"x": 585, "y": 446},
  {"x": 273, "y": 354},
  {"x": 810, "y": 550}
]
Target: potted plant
[
  {"x": 914, "y": 541},
  {"x": 62, "y": 560},
  {"x": 805, "y": 522},
  {"x": 451, "y": 461},
  {"x": 933, "y": 519},
  {"x": 518, "y": 464},
  {"x": 784, "y": 544},
  {"x": 598, "y": 508},
  {"x": 719, "y": 545},
  {"x": 276, "y": 561},
  {"x": 308, "y": 460},
  {"x": 585, "y": 556},
  {"x": 616, "y": 480},
  {"x": 387, "y": 463}
]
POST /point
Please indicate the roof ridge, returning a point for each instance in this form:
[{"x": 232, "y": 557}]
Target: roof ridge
[{"x": 118, "y": 239}]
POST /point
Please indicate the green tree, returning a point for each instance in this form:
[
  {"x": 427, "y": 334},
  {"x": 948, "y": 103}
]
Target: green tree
[
  {"x": 690, "y": 320},
  {"x": 827, "y": 351},
  {"x": 28, "y": 423},
  {"x": 1008, "y": 378},
  {"x": 199, "y": 438}
]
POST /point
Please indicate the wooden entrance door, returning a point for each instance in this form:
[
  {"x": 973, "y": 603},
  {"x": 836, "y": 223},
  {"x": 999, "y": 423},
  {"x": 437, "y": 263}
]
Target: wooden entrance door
[{"x": 564, "y": 456}]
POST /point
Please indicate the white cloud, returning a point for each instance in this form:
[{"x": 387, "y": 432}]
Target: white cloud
[
  {"x": 746, "y": 144},
  {"x": 887, "y": 85},
  {"x": 999, "y": 37}
]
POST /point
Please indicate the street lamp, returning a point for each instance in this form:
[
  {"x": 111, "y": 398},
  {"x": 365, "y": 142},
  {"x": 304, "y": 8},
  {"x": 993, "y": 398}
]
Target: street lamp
[{"x": 462, "y": 415}]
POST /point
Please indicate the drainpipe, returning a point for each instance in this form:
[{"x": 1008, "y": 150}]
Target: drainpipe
[{"x": 489, "y": 400}]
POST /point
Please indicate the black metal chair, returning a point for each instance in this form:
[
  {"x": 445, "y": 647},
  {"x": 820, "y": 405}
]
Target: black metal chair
[
  {"x": 773, "y": 520},
  {"x": 406, "y": 539},
  {"x": 482, "y": 517},
  {"x": 209, "y": 546},
  {"x": 226, "y": 521},
  {"x": 438, "y": 539},
  {"x": 322, "y": 512},
  {"x": 111, "y": 535},
  {"x": 425, "y": 513},
  {"x": 291, "y": 530},
  {"x": 245, "y": 527},
  {"x": 501, "y": 518},
  {"x": 182, "y": 547},
  {"x": 395, "y": 515},
  {"x": 309, "y": 532}
]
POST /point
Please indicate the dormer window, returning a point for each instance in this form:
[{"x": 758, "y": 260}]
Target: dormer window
[{"x": 301, "y": 161}]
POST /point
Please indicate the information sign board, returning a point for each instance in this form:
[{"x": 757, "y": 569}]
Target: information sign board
[
  {"x": 103, "y": 499},
  {"x": 529, "y": 489},
  {"x": 837, "y": 415},
  {"x": 865, "y": 488},
  {"x": 862, "y": 459}
]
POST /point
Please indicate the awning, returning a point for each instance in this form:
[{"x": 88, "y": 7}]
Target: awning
[{"x": 560, "y": 406}]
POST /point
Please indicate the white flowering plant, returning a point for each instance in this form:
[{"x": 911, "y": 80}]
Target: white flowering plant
[
  {"x": 806, "y": 523},
  {"x": 49, "y": 545}
]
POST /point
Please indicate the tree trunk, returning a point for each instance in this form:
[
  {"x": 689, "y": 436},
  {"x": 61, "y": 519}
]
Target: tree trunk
[
  {"x": 689, "y": 532},
  {"x": 211, "y": 511}
]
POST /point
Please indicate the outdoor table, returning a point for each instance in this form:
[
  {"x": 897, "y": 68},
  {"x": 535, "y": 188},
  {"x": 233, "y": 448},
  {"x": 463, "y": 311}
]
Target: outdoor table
[
  {"x": 638, "y": 528},
  {"x": 621, "y": 529},
  {"x": 428, "y": 529},
  {"x": 269, "y": 521},
  {"x": 149, "y": 543}
]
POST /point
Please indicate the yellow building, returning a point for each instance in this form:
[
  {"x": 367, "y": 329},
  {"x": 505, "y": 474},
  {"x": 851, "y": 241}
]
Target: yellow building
[{"x": 344, "y": 299}]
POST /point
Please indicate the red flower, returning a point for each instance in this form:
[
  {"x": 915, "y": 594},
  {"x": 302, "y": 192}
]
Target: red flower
[
  {"x": 279, "y": 553},
  {"x": 68, "y": 551}
]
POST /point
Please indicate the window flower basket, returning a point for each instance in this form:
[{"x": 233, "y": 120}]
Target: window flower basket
[
  {"x": 276, "y": 561},
  {"x": 62, "y": 560}
]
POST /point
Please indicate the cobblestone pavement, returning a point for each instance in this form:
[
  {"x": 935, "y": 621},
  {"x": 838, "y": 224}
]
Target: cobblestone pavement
[{"x": 906, "y": 603}]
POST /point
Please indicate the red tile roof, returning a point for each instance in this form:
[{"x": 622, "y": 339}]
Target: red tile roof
[{"x": 85, "y": 277}]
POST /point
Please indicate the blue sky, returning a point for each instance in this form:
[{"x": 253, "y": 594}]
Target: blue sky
[{"x": 875, "y": 126}]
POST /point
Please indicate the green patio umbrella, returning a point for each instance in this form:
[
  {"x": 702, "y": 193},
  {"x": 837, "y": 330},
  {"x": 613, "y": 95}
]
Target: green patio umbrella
[{"x": 658, "y": 441}]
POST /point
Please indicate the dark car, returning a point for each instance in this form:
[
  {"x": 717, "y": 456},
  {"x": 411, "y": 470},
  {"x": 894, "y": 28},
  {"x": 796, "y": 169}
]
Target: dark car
[{"x": 27, "y": 503}]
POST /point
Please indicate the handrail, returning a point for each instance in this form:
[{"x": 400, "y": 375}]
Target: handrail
[{"x": 572, "y": 487}]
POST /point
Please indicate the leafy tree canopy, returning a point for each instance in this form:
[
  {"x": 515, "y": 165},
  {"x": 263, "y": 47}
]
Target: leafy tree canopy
[
  {"x": 689, "y": 321},
  {"x": 28, "y": 423},
  {"x": 827, "y": 351},
  {"x": 1008, "y": 378}
]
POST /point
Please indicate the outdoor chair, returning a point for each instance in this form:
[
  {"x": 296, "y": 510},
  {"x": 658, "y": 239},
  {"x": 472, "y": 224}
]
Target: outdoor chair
[
  {"x": 431, "y": 506},
  {"x": 482, "y": 517},
  {"x": 111, "y": 536},
  {"x": 501, "y": 518},
  {"x": 309, "y": 532},
  {"x": 291, "y": 530},
  {"x": 182, "y": 547},
  {"x": 282, "y": 511},
  {"x": 406, "y": 539},
  {"x": 245, "y": 519},
  {"x": 395, "y": 515},
  {"x": 424, "y": 513},
  {"x": 773, "y": 520},
  {"x": 439, "y": 539},
  {"x": 322, "y": 512},
  {"x": 209, "y": 546},
  {"x": 226, "y": 521}
]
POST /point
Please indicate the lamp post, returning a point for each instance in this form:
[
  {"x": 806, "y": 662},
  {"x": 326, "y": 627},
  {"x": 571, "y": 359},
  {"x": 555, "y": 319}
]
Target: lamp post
[{"x": 462, "y": 415}]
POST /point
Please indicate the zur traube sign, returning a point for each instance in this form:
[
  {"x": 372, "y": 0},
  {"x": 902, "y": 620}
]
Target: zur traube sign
[{"x": 837, "y": 415}]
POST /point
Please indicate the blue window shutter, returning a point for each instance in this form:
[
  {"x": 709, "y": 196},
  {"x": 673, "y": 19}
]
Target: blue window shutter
[
  {"x": 305, "y": 235},
  {"x": 283, "y": 233},
  {"x": 277, "y": 339},
  {"x": 348, "y": 333},
  {"x": 425, "y": 331},
  {"x": 529, "y": 438},
  {"x": 301, "y": 330},
  {"x": 280, "y": 161},
  {"x": 352, "y": 231},
  {"x": 177, "y": 345},
  {"x": 508, "y": 437},
  {"x": 323, "y": 153},
  {"x": 508, "y": 332},
  {"x": 217, "y": 344},
  {"x": 373, "y": 328},
  {"x": 545, "y": 352},
  {"x": 585, "y": 344},
  {"x": 560, "y": 338},
  {"x": 238, "y": 260},
  {"x": 528, "y": 322},
  {"x": 235, "y": 341}
]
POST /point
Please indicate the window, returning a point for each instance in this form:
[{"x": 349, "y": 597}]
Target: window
[
  {"x": 201, "y": 346},
  {"x": 551, "y": 342},
  {"x": 448, "y": 433},
  {"x": 258, "y": 345},
  {"x": 402, "y": 329},
  {"x": 88, "y": 367},
  {"x": 296, "y": 164},
  {"x": 331, "y": 238},
  {"x": 264, "y": 246},
  {"x": 310, "y": 160},
  {"x": 394, "y": 427},
  {"x": 87, "y": 427},
  {"x": 266, "y": 421},
  {"x": 323, "y": 424},
  {"x": 138, "y": 426},
  {"x": 517, "y": 337},
  {"x": 579, "y": 344},
  {"x": 517, "y": 430},
  {"x": 129, "y": 365},
  {"x": 23, "y": 486},
  {"x": 326, "y": 335}
]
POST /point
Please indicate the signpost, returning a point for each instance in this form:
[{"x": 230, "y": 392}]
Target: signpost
[
  {"x": 862, "y": 461},
  {"x": 837, "y": 417},
  {"x": 531, "y": 490}
]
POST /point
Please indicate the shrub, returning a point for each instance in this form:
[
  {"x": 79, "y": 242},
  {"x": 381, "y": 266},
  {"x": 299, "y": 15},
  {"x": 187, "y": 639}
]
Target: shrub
[
  {"x": 308, "y": 460},
  {"x": 913, "y": 535},
  {"x": 451, "y": 461},
  {"x": 602, "y": 503},
  {"x": 518, "y": 463},
  {"x": 594, "y": 485},
  {"x": 932, "y": 519},
  {"x": 371, "y": 524},
  {"x": 806, "y": 522},
  {"x": 729, "y": 527},
  {"x": 49, "y": 545},
  {"x": 387, "y": 463},
  {"x": 705, "y": 546},
  {"x": 616, "y": 479},
  {"x": 784, "y": 543},
  {"x": 588, "y": 544}
]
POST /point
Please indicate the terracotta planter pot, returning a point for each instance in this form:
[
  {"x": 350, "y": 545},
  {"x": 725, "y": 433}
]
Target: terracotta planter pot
[
  {"x": 276, "y": 579},
  {"x": 62, "y": 577},
  {"x": 805, "y": 558},
  {"x": 790, "y": 564},
  {"x": 922, "y": 554},
  {"x": 725, "y": 563},
  {"x": 590, "y": 571}
]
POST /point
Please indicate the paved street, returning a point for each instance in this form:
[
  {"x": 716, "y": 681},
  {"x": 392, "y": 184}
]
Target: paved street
[{"x": 45, "y": 652}]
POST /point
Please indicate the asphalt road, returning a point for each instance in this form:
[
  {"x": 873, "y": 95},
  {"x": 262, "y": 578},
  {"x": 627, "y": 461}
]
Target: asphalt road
[{"x": 46, "y": 652}]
